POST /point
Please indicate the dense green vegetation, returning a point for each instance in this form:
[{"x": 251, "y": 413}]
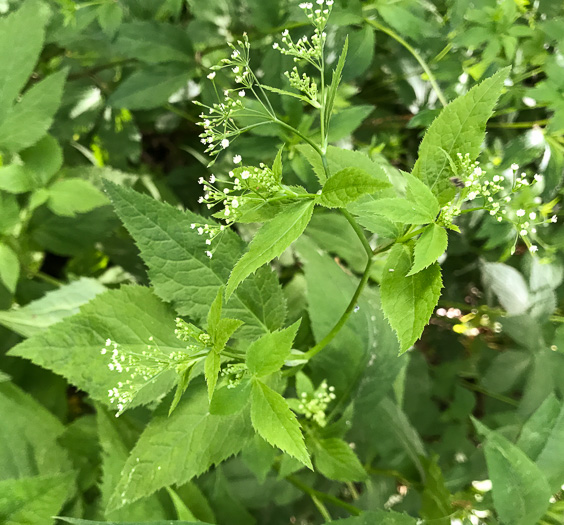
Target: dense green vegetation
[{"x": 272, "y": 262}]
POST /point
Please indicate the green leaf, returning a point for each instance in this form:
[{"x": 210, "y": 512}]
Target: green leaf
[
  {"x": 271, "y": 240},
  {"x": 277, "y": 165},
  {"x": 259, "y": 456},
  {"x": 21, "y": 31},
  {"x": 10, "y": 216},
  {"x": 214, "y": 315},
  {"x": 117, "y": 436},
  {"x": 51, "y": 308},
  {"x": 346, "y": 121},
  {"x": 17, "y": 178},
  {"x": 401, "y": 211},
  {"x": 225, "y": 329},
  {"x": 520, "y": 491},
  {"x": 44, "y": 159},
  {"x": 72, "y": 196},
  {"x": 428, "y": 248},
  {"x": 211, "y": 370},
  {"x": 276, "y": 423},
  {"x": 28, "y": 121},
  {"x": 9, "y": 267},
  {"x": 33, "y": 500},
  {"x": 110, "y": 16},
  {"x": 335, "y": 82},
  {"x": 29, "y": 436},
  {"x": 160, "y": 458},
  {"x": 268, "y": 354},
  {"x": 542, "y": 439},
  {"x": 435, "y": 505},
  {"x": 347, "y": 186},
  {"x": 128, "y": 316},
  {"x": 78, "y": 521},
  {"x": 408, "y": 301},
  {"x": 229, "y": 400},
  {"x": 335, "y": 460},
  {"x": 154, "y": 42},
  {"x": 460, "y": 128},
  {"x": 150, "y": 87},
  {"x": 378, "y": 517},
  {"x": 181, "y": 272}
]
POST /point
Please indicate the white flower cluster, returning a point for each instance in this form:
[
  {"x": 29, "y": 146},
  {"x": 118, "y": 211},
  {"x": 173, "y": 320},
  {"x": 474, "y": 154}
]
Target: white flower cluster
[
  {"x": 304, "y": 84},
  {"x": 313, "y": 406},
  {"x": 234, "y": 373},
  {"x": 211, "y": 231},
  {"x": 137, "y": 369},
  {"x": 304, "y": 48}
]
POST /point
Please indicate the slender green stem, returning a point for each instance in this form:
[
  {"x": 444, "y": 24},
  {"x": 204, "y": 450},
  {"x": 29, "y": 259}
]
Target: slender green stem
[
  {"x": 358, "y": 231},
  {"x": 493, "y": 395},
  {"x": 355, "y": 511},
  {"x": 415, "y": 54},
  {"x": 518, "y": 125},
  {"x": 412, "y": 234},
  {"x": 299, "y": 134},
  {"x": 344, "y": 318},
  {"x": 321, "y": 508},
  {"x": 48, "y": 279}
]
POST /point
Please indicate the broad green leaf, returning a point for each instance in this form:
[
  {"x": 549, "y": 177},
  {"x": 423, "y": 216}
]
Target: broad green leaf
[
  {"x": 347, "y": 120},
  {"x": 28, "y": 437},
  {"x": 378, "y": 517},
  {"x": 117, "y": 436},
  {"x": 267, "y": 354},
  {"x": 33, "y": 500},
  {"x": 401, "y": 211},
  {"x": 44, "y": 159},
  {"x": 520, "y": 491},
  {"x": 276, "y": 423},
  {"x": 21, "y": 40},
  {"x": 72, "y": 196},
  {"x": 110, "y": 16},
  {"x": 175, "y": 449},
  {"x": 150, "y": 87},
  {"x": 17, "y": 178},
  {"x": 9, "y": 267},
  {"x": 51, "y": 308},
  {"x": 10, "y": 216},
  {"x": 128, "y": 316},
  {"x": 363, "y": 357},
  {"x": 460, "y": 128},
  {"x": 428, "y": 248},
  {"x": 154, "y": 42},
  {"x": 223, "y": 332},
  {"x": 271, "y": 240},
  {"x": 408, "y": 301},
  {"x": 28, "y": 120},
  {"x": 335, "y": 459},
  {"x": 229, "y": 400},
  {"x": 542, "y": 439},
  {"x": 181, "y": 272},
  {"x": 259, "y": 456},
  {"x": 211, "y": 370},
  {"x": 182, "y": 511},
  {"x": 347, "y": 186}
]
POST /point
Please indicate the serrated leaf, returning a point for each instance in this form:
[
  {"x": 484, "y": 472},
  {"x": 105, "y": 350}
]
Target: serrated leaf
[
  {"x": 335, "y": 459},
  {"x": 181, "y": 272},
  {"x": 277, "y": 165},
  {"x": 347, "y": 186},
  {"x": 117, "y": 436},
  {"x": 460, "y": 128},
  {"x": 271, "y": 240},
  {"x": 225, "y": 329},
  {"x": 23, "y": 31},
  {"x": 206, "y": 440},
  {"x": 33, "y": 500},
  {"x": 520, "y": 492},
  {"x": 211, "y": 370},
  {"x": 229, "y": 400},
  {"x": 335, "y": 82},
  {"x": 408, "y": 301},
  {"x": 267, "y": 354},
  {"x": 44, "y": 159},
  {"x": 128, "y": 316},
  {"x": 276, "y": 423},
  {"x": 9, "y": 267},
  {"x": 401, "y": 211},
  {"x": 17, "y": 178},
  {"x": 51, "y": 308},
  {"x": 428, "y": 248},
  {"x": 214, "y": 315},
  {"x": 28, "y": 120},
  {"x": 347, "y": 120},
  {"x": 110, "y": 16},
  {"x": 72, "y": 196}
]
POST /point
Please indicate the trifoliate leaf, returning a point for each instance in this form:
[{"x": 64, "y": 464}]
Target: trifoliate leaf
[
  {"x": 267, "y": 354},
  {"x": 460, "y": 128},
  {"x": 348, "y": 185},
  {"x": 428, "y": 248},
  {"x": 276, "y": 423},
  {"x": 271, "y": 240},
  {"x": 408, "y": 301}
]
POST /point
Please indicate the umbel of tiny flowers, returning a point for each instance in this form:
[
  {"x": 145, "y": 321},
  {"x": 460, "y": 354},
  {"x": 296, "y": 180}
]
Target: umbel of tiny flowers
[
  {"x": 136, "y": 369},
  {"x": 313, "y": 405}
]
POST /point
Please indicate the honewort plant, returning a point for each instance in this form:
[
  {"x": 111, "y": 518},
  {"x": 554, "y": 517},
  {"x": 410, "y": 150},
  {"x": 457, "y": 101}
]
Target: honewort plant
[{"x": 214, "y": 363}]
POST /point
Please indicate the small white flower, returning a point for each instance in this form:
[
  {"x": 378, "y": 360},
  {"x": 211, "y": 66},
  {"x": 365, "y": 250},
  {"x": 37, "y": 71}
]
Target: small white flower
[
  {"x": 514, "y": 167},
  {"x": 472, "y": 195},
  {"x": 532, "y": 215},
  {"x": 103, "y": 351},
  {"x": 554, "y": 219},
  {"x": 242, "y": 93},
  {"x": 478, "y": 171},
  {"x": 236, "y": 160},
  {"x": 200, "y": 231},
  {"x": 329, "y": 3},
  {"x": 235, "y": 203},
  {"x": 534, "y": 248},
  {"x": 496, "y": 178},
  {"x": 245, "y": 174},
  {"x": 236, "y": 69},
  {"x": 523, "y": 232},
  {"x": 212, "y": 179},
  {"x": 285, "y": 32},
  {"x": 520, "y": 213},
  {"x": 209, "y": 254},
  {"x": 211, "y": 76},
  {"x": 225, "y": 143},
  {"x": 320, "y": 2},
  {"x": 193, "y": 225},
  {"x": 275, "y": 45},
  {"x": 538, "y": 177},
  {"x": 208, "y": 241}
]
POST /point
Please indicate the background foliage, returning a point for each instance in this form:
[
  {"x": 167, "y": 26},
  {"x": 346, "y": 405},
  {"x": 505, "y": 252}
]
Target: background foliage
[{"x": 102, "y": 91}]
